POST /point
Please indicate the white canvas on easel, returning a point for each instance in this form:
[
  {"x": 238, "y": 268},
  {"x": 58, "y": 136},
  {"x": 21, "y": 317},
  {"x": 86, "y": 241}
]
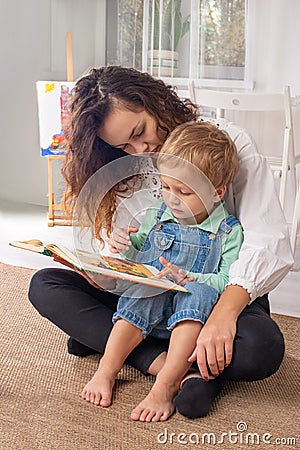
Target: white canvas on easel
[
  {"x": 52, "y": 98},
  {"x": 52, "y": 104}
]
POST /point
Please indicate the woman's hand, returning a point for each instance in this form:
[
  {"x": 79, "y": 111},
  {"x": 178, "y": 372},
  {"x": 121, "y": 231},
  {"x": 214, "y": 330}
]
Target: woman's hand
[
  {"x": 177, "y": 274},
  {"x": 119, "y": 239},
  {"x": 214, "y": 346}
]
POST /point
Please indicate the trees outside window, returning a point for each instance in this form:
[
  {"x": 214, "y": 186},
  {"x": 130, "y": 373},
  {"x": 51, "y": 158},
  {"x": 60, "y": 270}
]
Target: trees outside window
[{"x": 208, "y": 36}]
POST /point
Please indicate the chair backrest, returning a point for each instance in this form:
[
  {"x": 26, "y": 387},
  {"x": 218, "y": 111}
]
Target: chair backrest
[{"x": 243, "y": 101}]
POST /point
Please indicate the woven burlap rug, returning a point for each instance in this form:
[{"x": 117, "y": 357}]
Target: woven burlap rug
[{"x": 41, "y": 409}]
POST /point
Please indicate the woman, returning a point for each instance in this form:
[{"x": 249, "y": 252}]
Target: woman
[{"x": 116, "y": 111}]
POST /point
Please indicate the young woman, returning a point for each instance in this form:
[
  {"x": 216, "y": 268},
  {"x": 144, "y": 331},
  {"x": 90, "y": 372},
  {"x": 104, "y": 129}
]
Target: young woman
[{"x": 116, "y": 111}]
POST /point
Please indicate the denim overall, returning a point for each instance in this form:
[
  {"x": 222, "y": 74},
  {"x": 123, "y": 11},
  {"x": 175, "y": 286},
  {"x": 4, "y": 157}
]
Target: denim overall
[{"x": 190, "y": 248}]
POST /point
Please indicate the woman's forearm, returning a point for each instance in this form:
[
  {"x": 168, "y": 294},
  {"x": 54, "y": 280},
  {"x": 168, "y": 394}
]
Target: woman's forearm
[{"x": 231, "y": 303}]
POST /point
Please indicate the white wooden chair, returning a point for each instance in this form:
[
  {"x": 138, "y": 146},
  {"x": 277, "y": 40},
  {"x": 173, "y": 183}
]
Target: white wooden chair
[
  {"x": 283, "y": 166},
  {"x": 296, "y": 221}
]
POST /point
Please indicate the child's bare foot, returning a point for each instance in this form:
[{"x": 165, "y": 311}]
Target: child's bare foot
[
  {"x": 99, "y": 389},
  {"x": 158, "y": 405}
]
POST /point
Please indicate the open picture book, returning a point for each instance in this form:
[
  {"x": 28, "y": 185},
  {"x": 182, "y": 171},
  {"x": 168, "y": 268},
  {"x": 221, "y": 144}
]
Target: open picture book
[{"x": 99, "y": 264}]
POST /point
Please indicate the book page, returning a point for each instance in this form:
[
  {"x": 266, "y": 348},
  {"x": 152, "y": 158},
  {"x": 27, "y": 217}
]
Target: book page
[
  {"x": 103, "y": 265},
  {"x": 125, "y": 270},
  {"x": 118, "y": 264},
  {"x": 33, "y": 245}
]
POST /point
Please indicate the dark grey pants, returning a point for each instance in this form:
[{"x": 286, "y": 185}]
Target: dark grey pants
[{"x": 85, "y": 313}]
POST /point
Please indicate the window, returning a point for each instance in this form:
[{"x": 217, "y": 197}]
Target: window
[
  {"x": 124, "y": 40},
  {"x": 182, "y": 38}
]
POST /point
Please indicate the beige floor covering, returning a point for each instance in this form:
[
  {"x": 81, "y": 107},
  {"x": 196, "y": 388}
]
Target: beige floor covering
[{"x": 40, "y": 407}]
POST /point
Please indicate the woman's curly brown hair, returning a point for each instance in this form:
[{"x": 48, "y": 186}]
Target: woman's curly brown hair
[{"x": 94, "y": 96}]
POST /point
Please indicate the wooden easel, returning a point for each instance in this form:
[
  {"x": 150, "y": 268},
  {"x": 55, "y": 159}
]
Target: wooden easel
[{"x": 56, "y": 213}]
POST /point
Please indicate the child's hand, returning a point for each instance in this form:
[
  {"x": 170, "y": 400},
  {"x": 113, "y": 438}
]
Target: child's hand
[
  {"x": 119, "y": 239},
  {"x": 177, "y": 274}
]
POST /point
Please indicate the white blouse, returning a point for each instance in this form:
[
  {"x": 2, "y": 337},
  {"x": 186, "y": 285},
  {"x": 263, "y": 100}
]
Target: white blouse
[{"x": 265, "y": 256}]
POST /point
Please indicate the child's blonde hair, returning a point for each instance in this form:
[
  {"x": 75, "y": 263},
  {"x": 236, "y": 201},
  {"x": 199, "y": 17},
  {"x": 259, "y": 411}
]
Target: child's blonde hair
[{"x": 206, "y": 147}]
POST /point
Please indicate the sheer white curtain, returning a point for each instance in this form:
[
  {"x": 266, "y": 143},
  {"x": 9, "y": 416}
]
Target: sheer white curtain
[
  {"x": 178, "y": 38},
  {"x": 202, "y": 38}
]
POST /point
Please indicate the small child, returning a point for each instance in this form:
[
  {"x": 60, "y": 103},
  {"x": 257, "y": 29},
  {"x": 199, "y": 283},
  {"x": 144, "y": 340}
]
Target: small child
[{"x": 192, "y": 239}]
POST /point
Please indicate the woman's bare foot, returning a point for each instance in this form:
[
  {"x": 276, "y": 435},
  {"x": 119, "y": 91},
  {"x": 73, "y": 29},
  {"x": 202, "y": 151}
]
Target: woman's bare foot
[
  {"x": 99, "y": 389},
  {"x": 158, "y": 405}
]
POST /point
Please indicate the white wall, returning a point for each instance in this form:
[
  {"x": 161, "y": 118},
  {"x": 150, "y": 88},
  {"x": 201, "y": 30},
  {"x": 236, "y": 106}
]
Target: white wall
[
  {"x": 274, "y": 44},
  {"x": 32, "y": 47}
]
